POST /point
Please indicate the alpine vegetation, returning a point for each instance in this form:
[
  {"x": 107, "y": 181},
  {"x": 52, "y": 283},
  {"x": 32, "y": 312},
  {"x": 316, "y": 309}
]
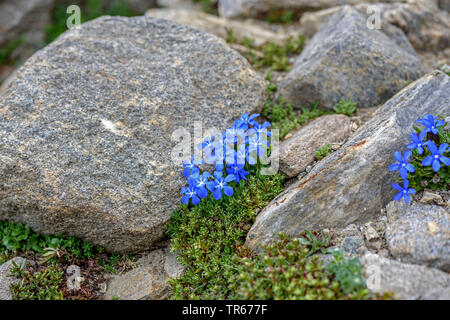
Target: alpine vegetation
[
  {"x": 429, "y": 155},
  {"x": 235, "y": 153}
]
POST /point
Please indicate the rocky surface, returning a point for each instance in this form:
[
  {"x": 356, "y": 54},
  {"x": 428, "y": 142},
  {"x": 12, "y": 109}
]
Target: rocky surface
[
  {"x": 260, "y": 33},
  {"x": 258, "y": 8},
  {"x": 407, "y": 281},
  {"x": 347, "y": 60},
  {"x": 149, "y": 280},
  {"x": 5, "y": 279},
  {"x": 419, "y": 234},
  {"x": 24, "y": 17},
  {"x": 353, "y": 184},
  {"x": 426, "y": 27},
  {"x": 297, "y": 152},
  {"x": 86, "y": 126},
  {"x": 22, "y": 22}
]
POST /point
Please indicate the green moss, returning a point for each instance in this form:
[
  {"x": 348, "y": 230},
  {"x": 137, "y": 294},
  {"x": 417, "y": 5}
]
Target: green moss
[
  {"x": 5, "y": 53},
  {"x": 323, "y": 152},
  {"x": 208, "y": 6},
  {"x": 208, "y": 235},
  {"x": 288, "y": 270},
  {"x": 270, "y": 55},
  {"x": 283, "y": 117},
  {"x": 39, "y": 283},
  {"x": 16, "y": 238},
  {"x": 345, "y": 106},
  {"x": 283, "y": 16}
]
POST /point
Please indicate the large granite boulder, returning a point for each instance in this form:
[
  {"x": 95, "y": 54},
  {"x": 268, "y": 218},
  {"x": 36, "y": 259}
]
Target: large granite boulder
[
  {"x": 354, "y": 183},
  {"x": 346, "y": 59},
  {"x": 86, "y": 126},
  {"x": 419, "y": 234},
  {"x": 259, "y": 8}
]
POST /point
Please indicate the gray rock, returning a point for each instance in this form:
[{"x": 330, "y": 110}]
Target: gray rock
[
  {"x": 444, "y": 5},
  {"x": 407, "y": 281},
  {"x": 23, "y": 17},
  {"x": 346, "y": 59},
  {"x": 419, "y": 234},
  {"x": 259, "y": 8},
  {"x": 426, "y": 28},
  {"x": 86, "y": 126},
  {"x": 429, "y": 197},
  {"x": 297, "y": 152},
  {"x": 353, "y": 184},
  {"x": 149, "y": 280},
  {"x": 260, "y": 33},
  {"x": 353, "y": 244},
  {"x": 5, "y": 280}
]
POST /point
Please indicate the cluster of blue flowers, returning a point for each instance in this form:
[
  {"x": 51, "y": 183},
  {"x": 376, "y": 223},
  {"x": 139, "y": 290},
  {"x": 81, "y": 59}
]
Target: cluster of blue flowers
[
  {"x": 435, "y": 160},
  {"x": 232, "y": 153}
]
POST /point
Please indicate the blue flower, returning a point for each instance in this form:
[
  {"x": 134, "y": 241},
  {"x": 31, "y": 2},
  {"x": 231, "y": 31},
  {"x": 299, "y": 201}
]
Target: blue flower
[
  {"x": 417, "y": 142},
  {"x": 246, "y": 120},
  {"x": 431, "y": 123},
  {"x": 233, "y": 134},
  {"x": 190, "y": 193},
  {"x": 436, "y": 156},
  {"x": 219, "y": 184},
  {"x": 191, "y": 167},
  {"x": 243, "y": 153},
  {"x": 402, "y": 164},
  {"x": 238, "y": 171},
  {"x": 207, "y": 144},
  {"x": 260, "y": 129},
  {"x": 199, "y": 183},
  {"x": 404, "y": 192},
  {"x": 258, "y": 144}
]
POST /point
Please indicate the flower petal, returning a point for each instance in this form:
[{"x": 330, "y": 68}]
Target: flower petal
[
  {"x": 436, "y": 165},
  {"x": 442, "y": 148},
  {"x": 228, "y": 191},
  {"x": 445, "y": 160},
  {"x": 398, "y": 196},
  {"x": 217, "y": 194},
  {"x": 398, "y": 156},
  {"x": 185, "y": 199},
  {"x": 394, "y": 167},
  {"x": 397, "y": 187},
  {"x": 427, "y": 161}
]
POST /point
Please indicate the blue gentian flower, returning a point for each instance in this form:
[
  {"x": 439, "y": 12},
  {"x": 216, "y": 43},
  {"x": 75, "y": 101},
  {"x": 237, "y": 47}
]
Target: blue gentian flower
[
  {"x": 431, "y": 123},
  {"x": 199, "y": 182},
  {"x": 243, "y": 153},
  {"x": 219, "y": 184},
  {"x": 258, "y": 144},
  {"x": 233, "y": 134},
  {"x": 207, "y": 144},
  {"x": 417, "y": 142},
  {"x": 246, "y": 120},
  {"x": 260, "y": 129},
  {"x": 402, "y": 164},
  {"x": 190, "y": 167},
  {"x": 404, "y": 192},
  {"x": 238, "y": 171},
  {"x": 436, "y": 156},
  {"x": 190, "y": 193}
]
